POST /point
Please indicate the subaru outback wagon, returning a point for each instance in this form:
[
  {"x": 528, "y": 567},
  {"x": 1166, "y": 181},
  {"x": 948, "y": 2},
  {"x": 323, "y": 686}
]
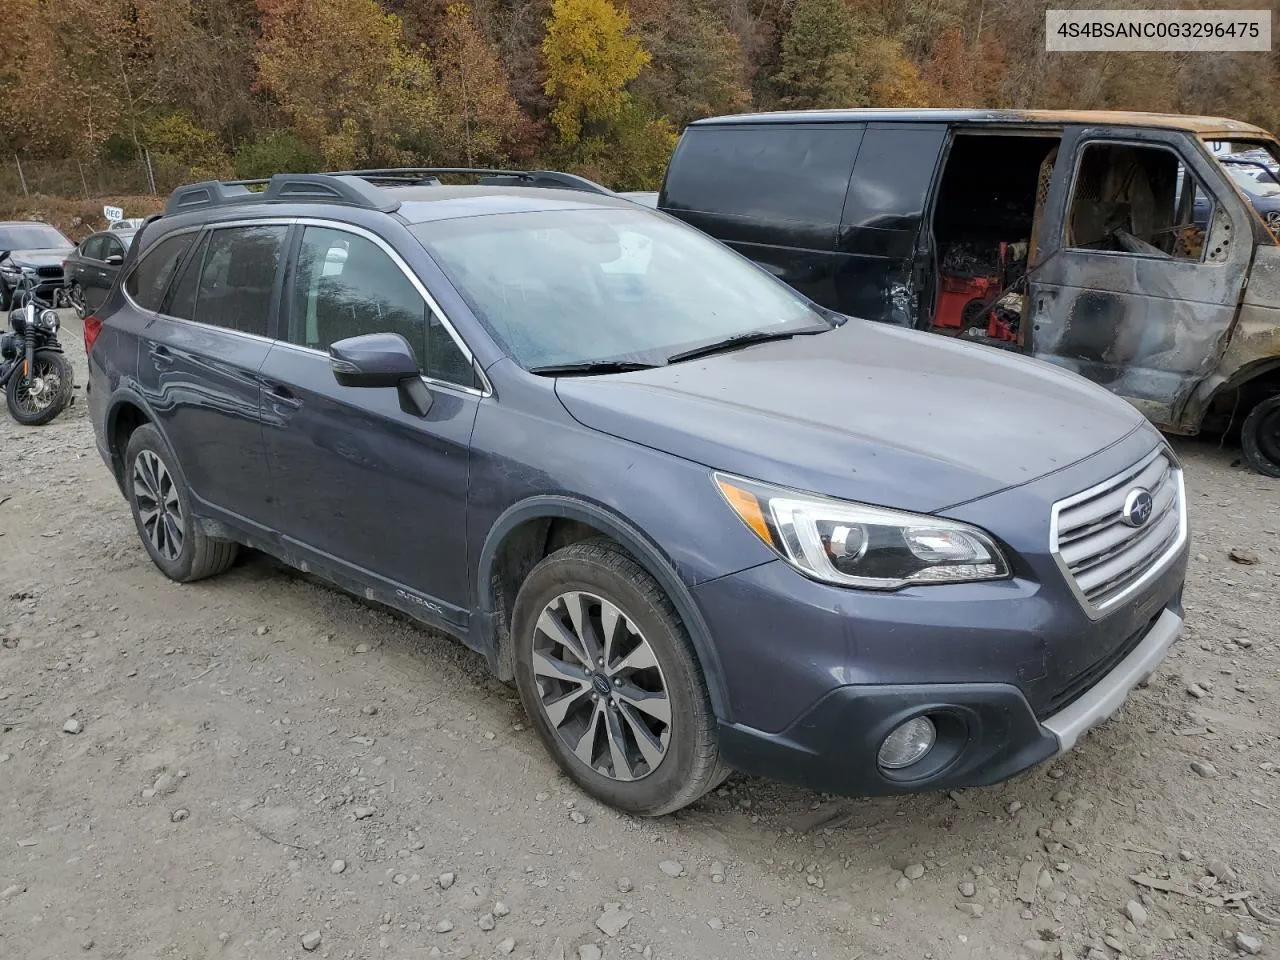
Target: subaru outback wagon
[{"x": 702, "y": 523}]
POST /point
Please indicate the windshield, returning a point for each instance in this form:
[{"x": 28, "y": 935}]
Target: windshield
[
  {"x": 607, "y": 285},
  {"x": 33, "y": 236}
]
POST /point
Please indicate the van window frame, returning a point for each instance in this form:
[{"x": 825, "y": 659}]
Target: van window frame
[{"x": 1083, "y": 145}]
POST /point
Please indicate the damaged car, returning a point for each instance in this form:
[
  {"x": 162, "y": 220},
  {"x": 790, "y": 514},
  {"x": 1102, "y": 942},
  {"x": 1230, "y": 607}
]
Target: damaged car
[{"x": 1122, "y": 246}]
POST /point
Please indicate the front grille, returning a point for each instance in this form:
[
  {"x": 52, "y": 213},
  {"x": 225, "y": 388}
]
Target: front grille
[
  {"x": 1104, "y": 557},
  {"x": 1083, "y": 682},
  {"x": 49, "y": 273}
]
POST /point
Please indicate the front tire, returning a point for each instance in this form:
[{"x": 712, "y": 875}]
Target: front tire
[
  {"x": 1260, "y": 437},
  {"x": 162, "y": 513},
  {"x": 610, "y": 681},
  {"x": 36, "y": 399}
]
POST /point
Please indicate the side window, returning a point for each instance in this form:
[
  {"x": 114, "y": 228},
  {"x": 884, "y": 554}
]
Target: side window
[
  {"x": 347, "y": 286},
  {"x": 1140, "y": 200},
  {"x": 769, "y": 172},
  {"x": 92, "y": 248},
  {"x": 238, "y": 278},
  {"x": 147, "y": 282},
  {"x": 181, "y": 301},
  {"x": 111, "y": 247}
]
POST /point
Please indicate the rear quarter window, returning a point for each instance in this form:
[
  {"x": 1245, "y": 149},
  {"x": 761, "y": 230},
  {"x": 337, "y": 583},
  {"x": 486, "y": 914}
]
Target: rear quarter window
[
  {"x": 148, "y": 281},
  {"x": 771, "y": 173}
]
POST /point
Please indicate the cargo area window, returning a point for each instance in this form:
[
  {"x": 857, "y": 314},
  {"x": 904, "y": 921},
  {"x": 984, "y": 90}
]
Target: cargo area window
[
  {"x": 986, "y": 226},
  {"x": 1139, "y": 200}
]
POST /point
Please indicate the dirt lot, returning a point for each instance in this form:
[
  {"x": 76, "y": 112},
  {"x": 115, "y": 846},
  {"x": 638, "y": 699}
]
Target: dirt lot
[{"x": 262, "y": 763}]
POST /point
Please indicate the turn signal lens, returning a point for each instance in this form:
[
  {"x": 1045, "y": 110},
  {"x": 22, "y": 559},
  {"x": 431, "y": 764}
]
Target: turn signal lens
[{"x": 747, "y": 506}]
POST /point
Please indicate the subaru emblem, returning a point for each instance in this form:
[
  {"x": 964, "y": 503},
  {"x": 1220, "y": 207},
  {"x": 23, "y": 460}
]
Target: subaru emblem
[{"x": 1137, "y": 508}]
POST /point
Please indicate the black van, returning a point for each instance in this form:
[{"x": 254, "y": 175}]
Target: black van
[{"x": 1114, "y": 244}]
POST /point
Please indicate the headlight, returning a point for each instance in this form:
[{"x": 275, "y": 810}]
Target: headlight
[
  {"x": 49, "y": 320},
  {"x": 855, "y": 545}
]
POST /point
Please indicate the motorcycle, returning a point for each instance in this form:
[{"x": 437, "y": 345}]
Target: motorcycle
[{"x": 36, "y": 377}]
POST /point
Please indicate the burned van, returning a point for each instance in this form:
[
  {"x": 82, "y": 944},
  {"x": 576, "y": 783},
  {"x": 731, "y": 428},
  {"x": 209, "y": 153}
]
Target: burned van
[{"x": 1118, "y": 245}]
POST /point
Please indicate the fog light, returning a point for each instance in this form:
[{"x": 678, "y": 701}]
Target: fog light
[{"x": 907, "y": 743}]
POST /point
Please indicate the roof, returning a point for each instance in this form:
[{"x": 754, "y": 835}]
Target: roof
[
  {"x": 420, "y": 204},
  {"x": 1121, "y": 118}
]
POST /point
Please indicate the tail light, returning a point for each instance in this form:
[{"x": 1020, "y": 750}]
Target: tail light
[{"x": 92, "y": 327}]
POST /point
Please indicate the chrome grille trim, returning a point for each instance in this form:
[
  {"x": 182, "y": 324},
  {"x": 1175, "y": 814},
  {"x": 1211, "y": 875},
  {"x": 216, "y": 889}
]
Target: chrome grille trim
[{"x": 1103, "y": 559}]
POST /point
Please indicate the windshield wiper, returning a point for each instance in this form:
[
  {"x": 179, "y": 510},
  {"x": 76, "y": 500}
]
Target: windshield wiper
[
  {"x": 742, "y": 340},
  {"x": 591, "y": 366}
]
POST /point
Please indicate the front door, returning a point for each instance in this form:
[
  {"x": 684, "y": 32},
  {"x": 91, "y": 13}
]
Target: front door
[
  {"x": 1136, "y": 288},
  {"x": 102, "y": 274},
  {"x": 364, "y": 490},
  {"x": 200, "y": 355}
]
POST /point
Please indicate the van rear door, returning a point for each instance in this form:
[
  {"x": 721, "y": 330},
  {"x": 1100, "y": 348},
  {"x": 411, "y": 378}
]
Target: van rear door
[
  {"x": 773, "y": 191},
  {"x": 1136, "y": 288}
]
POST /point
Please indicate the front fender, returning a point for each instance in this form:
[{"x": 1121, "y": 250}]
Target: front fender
[{"x": 635, "y": 541}]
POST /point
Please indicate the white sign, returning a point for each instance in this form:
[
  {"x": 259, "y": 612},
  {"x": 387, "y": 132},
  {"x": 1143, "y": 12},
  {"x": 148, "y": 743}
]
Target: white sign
[{"x": 112, "y": 214}]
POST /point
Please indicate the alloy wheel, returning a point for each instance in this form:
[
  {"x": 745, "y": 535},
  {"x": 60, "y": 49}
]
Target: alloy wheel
[
  {"x": 159, "y": 509},
  {"x": 601, "y": 687}
]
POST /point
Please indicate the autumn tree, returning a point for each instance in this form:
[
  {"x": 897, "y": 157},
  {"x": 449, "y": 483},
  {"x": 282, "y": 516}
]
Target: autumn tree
[
  {"x": 698, "y": 68},
  {"x": 344, "y": 77},
  {"x": 477, "y": 119},
  {"x": 591, "y": 57}
]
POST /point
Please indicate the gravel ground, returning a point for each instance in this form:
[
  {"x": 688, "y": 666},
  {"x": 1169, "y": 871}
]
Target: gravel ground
[{"x": 260, "y": 767}]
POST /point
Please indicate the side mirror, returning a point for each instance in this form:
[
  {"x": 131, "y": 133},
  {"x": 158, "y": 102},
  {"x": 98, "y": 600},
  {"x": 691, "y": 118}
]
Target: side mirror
[
  {"x": 115, "y": 259},
  {"x": 381, "y": 360}
]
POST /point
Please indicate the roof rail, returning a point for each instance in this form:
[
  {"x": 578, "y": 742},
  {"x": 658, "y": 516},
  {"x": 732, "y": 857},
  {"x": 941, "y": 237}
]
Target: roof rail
[
  {"x": 283, "y": 188},
  {"x": 359, "y": 188}
]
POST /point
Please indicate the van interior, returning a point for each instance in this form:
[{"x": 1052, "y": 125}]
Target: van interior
[
  {"x": 1127, "y": 198},
  {"x": 984, "y": 225}
]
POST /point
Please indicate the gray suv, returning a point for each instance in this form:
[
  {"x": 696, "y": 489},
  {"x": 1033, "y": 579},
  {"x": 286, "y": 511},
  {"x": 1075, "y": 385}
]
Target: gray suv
[{"x": 702, "y": 523}]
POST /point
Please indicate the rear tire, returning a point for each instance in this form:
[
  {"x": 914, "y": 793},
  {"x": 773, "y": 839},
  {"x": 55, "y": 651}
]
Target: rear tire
[
  {"x": 162, "y": 513},
  {"x": 1260, "y": 437},
  {"x": 30, "y": 410},
  {"x": 601, "y": 658}
]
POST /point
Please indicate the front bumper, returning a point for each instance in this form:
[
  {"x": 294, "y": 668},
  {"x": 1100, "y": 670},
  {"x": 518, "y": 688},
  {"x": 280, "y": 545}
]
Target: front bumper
[{"x": 987, "y": 732}]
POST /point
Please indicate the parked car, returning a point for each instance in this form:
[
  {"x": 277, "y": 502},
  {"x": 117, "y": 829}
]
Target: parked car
[
  {"x": 1071, "y": 236},
  {"x": 128, "y": 225},
  {"x": 703, "y": 523},
  {"x": 93, "y": 266},
  {"x": 37, "y": 248}
]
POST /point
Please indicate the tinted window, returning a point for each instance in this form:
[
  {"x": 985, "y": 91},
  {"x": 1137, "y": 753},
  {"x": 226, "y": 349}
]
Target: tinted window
[
  {"x": 182, "y": 297},
  {"x": 92, "y": 248},
  {"x": 238, "y": 278},
  {"x": 1139, "y": 200},
  {"x": 770, "y": 172},
  {"x": 146, "y": 283},
  {"x": 111, "y": 247},
  {"x": 347, "y": 286},
  {"x": 892, "y": 177}
]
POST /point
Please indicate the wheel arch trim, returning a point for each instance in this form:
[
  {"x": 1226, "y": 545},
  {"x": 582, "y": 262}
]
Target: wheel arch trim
[{"x": 645, "y": 551}]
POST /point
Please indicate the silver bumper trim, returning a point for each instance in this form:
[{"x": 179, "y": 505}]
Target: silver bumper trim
[{"x": 1105, "y": 697}]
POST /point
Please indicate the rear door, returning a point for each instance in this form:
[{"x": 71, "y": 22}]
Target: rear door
[
  {"x": 201, "y": 353},
  {"x": 365, "y": 491},
  {"x": 1137, "y": 288}
]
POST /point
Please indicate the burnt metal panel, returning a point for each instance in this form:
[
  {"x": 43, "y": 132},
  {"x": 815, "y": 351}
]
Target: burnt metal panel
[{"x": 1145, "y": 327}]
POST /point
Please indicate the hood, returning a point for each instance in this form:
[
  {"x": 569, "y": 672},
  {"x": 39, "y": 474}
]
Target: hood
[
  {"x": 867, "y": 412},
  {"x": 51, "y": 257}
]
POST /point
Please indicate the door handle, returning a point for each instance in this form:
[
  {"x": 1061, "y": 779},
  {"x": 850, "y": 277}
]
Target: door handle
[
  {"x": 282, "y": 396},
  {"x": 160, "y": 355}
]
